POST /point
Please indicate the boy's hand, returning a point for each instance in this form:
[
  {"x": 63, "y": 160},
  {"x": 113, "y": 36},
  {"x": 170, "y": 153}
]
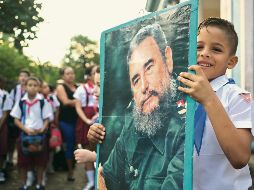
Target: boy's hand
[
  {"x": 96, "y": 133},
  {"x": 41, "y": 130},
  {"x": 30, "y": 131},
  {"x": 198, "y": 87},
  {"x": 101, "y": 180},
  {"x": 84, "y": 155}
]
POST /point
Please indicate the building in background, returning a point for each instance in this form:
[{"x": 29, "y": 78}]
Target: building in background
[{"x": 241, "y": 14}]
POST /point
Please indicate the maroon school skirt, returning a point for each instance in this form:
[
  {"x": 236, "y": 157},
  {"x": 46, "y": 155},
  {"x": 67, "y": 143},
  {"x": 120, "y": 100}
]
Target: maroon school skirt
[
  {"x": 82, "y": 128},
  {"x": 3, "y": 140}
]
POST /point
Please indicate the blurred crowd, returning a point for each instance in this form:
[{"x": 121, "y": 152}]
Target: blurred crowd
[{"x": 45, "y": 124}]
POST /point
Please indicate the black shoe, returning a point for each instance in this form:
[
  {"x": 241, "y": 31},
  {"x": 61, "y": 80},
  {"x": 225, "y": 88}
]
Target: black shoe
[
  {"x": 39, "y": 187},
  {"x": 71, "y": 179},
  {"x": 9, "y": 165},
  {"x": 23, "y": 188}
]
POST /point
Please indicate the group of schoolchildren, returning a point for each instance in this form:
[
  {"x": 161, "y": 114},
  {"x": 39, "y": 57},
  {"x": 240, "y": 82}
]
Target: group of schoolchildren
[
  {"x": 27, "y": 115},
  {"x": 29, "y": 122},
  {"x": 221, "y": 163}
]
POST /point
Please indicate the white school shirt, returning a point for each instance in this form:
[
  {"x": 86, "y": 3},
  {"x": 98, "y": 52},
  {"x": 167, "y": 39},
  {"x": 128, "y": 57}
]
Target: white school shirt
[
  {"x": 7, "y": 104},
  {"x": 211, "y": 169},
  {"x": 54, "y": 104},
  {"x": 81, "y": 95},
  {"x": 18, "y": 95},
  {"x": 34, "y": 119}
]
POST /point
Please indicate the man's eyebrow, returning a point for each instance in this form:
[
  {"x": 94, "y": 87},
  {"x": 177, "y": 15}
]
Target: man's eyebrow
[
  {"x": 148, "y": 62},
  {"x": 145, "y": 65},
  {"x": 134, "y": 78}
]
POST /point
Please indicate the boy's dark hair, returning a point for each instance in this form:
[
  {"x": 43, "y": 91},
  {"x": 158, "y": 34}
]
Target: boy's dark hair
[
  {"x": 34, "y": 79},
  {"x": 25, "y": 71},
  {"x": 224, "y": 25},
  {"x": 97, "y": 70}
]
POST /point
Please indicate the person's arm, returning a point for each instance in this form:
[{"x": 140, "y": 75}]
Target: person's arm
[
  {"x": 61, "y": 94},
  {"x": 175, "y": 170},
  {"x": 56, "y": 117},
  {"x": 4, "y": 117},
  {"x": 84, "y": 156},
  {"x": 234, "y": 142},
  {"x": 81, "y": 113}
]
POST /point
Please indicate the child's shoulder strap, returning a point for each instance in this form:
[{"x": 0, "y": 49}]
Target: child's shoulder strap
[
  {"x": 22, "y": 108},
  {"x": 4, "y": 98},
  {"x": 51, "y": 98},
  {"x": 15, "y": 92},
  {"x": 42, "y": 103}
]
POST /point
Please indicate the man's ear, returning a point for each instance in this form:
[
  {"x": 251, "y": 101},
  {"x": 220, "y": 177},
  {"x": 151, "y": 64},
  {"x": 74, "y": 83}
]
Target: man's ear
[
  {"x": 232, "y": 62},
  {"x": 169, "y": 60}
]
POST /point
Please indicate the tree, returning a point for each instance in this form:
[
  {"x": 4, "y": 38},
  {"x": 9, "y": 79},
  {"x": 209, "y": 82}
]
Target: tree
[
  {"x": 12, "y": 61},
  {"x": 19, "y": 19},
  {"x": 81, "y": 54}
]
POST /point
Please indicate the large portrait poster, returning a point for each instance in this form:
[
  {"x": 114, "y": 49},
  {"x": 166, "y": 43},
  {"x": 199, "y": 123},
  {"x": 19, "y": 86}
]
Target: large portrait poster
[{"x": 149, "y": 136}]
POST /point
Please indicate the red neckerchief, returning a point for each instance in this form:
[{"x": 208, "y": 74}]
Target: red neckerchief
[
  {"x": 49, "y": 100},
  {"x": 90, "y": 84},
  {"x": 29, "y": 105}
]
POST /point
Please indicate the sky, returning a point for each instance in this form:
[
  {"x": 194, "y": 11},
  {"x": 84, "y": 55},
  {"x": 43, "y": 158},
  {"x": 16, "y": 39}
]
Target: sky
[{"x": 64, "y": 19}]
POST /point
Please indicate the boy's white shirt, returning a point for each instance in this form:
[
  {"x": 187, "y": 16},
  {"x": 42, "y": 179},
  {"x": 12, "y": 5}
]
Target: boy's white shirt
[
  {"x": 33, "y": 120},
  {"x": 7, "y": 103},
  {"x": 211, "y": 169},
  {"x": 16, "y": 97},
  {"x": 80, "y": 94},
  {"x": 55, "y": 104}
]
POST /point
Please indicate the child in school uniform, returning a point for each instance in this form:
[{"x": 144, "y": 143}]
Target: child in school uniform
[
  {"x": 5, "y": 107},
  {"x": 54, "y": 103},
  {"x": 220, "y": 159},
  {"x": 87, "y": 109},
  {"x": 13, "y": 132},
  {"x": 32, "y": 115}
]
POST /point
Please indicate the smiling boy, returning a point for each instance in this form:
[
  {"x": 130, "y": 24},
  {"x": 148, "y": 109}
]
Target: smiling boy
[{"x": 221, "y": 162}]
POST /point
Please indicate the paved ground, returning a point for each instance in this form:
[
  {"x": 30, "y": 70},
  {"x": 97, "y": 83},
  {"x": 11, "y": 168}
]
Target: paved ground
[{"x": 57, "y": 181}]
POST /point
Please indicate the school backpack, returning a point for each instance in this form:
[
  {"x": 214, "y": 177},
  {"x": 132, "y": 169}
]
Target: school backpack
[
  {"x": 31, "y": 144},
  {"x": 55, "y": 139}
]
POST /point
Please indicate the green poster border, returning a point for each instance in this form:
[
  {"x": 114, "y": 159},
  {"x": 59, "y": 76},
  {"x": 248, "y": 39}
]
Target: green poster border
[{"x": 189, "y": 130}]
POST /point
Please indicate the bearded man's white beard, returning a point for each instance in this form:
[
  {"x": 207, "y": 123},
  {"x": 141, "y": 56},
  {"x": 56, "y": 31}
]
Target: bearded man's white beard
[{"x": 149, "y": 124}]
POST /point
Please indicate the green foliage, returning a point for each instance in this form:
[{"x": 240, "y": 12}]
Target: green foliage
[
  {"x": 19, "y": 19},
  {"x": 80, "y": 55},
  {"x": 12, "y": 61},
  {"x": 47, "y": 72}
]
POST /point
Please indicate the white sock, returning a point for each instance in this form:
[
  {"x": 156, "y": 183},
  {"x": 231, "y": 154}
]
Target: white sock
[{"x": 90, "y": 176}]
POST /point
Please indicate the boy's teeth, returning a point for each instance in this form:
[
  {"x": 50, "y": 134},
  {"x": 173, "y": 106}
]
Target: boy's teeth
[{"x": 205, "y": 65}]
